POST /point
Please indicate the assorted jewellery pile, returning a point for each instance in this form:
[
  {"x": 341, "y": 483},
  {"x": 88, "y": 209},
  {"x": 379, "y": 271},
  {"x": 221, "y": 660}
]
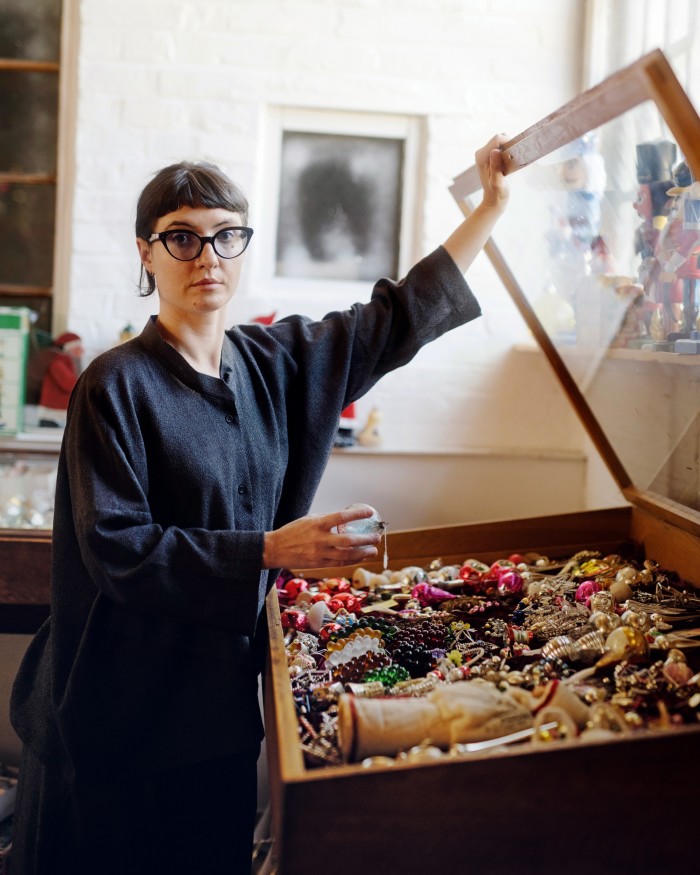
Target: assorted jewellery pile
[{"x": 590, "y": 646}]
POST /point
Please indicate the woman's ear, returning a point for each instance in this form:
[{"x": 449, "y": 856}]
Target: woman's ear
[{"x": 145, "y": 253}]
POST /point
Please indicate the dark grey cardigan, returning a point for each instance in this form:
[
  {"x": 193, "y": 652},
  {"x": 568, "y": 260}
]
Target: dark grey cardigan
[{"x": 167, "y": 481}]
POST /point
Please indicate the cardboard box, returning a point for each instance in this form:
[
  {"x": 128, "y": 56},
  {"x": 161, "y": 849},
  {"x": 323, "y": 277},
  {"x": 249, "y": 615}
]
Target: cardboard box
[{"x": 14, "y": 349}]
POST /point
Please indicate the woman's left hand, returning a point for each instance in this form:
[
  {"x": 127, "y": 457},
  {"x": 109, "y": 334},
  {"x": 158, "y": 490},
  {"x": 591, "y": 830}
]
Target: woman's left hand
[{"x": 489, "y": 162}]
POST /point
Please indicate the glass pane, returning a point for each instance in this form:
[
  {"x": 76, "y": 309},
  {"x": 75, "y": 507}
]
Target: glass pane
[
  {"x": 27, "y": 491},
  {"x": 31, "y": 31},
  {"x": 603, "y": 237},
  {"x": 26, "y": 234},
  {"x": 339, "y": 206},
  {"x": 29, "y": 104}
]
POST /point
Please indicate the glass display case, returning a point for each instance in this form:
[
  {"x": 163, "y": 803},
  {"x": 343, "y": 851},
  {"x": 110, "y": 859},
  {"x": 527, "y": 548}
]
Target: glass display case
[
  {"x": 600, "y": 249},
  {"x": 27, "y": 486},
  {"x": 601, "y": 262}
]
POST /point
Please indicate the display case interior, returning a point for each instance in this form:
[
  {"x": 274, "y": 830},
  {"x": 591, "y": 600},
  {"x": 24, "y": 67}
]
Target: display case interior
[{"x": 604, "y": 275}]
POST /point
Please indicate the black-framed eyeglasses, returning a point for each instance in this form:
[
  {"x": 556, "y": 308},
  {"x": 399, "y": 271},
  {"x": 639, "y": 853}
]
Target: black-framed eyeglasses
[{"x": 186, "y": 245}]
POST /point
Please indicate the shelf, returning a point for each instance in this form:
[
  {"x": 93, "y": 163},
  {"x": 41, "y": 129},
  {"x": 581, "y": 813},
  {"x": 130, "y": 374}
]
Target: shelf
[
  {"x": 623, "y": 355},
  {"x": 463, "y": 452},
  {"x": 33, "y": 442}
]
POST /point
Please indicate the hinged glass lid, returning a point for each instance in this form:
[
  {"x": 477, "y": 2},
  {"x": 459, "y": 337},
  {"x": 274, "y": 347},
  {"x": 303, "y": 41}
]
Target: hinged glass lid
[{"x": 600, "y": 247}]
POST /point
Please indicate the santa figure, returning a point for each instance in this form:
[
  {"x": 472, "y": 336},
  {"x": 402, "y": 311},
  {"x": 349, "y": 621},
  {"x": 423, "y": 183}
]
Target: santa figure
[{"x": 63, "y": 366}]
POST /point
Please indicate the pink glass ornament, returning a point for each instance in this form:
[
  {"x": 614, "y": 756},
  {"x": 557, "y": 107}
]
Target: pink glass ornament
[
  {"x": 510, "y": 583},
  {"x": 430, "y": 595},
  {"x": 586, "y": 590}
]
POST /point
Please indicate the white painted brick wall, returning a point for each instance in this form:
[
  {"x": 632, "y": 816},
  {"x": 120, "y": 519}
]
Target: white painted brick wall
[{"x": 164, "y": 80}]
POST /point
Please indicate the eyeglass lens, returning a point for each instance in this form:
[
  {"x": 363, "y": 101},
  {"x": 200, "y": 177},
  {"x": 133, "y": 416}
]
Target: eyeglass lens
[{"x": 186, "y": 245}]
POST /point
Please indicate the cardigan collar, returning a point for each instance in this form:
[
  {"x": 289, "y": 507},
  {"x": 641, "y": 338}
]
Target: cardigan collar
[{"x": 178, "y": 365}]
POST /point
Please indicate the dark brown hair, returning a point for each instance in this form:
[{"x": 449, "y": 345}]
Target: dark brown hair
[{"x": 186, "y": 184}]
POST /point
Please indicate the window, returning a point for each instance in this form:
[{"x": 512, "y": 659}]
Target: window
[
  {"x": 30, "y": 37},
  {"x": 621, "y": 32}
]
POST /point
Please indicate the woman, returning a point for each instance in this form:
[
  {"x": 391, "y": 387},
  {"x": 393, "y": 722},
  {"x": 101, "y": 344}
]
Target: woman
[{"x": 190, "y": 459}]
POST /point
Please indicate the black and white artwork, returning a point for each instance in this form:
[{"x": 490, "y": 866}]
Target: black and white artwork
[{"x": 339, "y": 215}]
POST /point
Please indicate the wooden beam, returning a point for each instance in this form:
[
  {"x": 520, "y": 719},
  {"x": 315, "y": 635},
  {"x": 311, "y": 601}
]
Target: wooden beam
[
  {"x": 615, "y": 95},
  {"x": 27, "y": 178},
  {"x": 26, "y": 291},
  {"x": 20, "y": 65}
]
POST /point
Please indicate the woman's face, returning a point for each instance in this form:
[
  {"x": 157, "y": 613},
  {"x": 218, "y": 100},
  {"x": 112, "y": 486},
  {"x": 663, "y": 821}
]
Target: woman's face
[{"x": 204, "y": 285}]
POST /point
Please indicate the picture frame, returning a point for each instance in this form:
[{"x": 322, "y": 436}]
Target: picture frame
[{"x": 342, "y": 201}]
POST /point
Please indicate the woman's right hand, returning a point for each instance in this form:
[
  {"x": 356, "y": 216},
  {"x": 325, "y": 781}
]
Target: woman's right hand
[{"x": 313, "y": 541}]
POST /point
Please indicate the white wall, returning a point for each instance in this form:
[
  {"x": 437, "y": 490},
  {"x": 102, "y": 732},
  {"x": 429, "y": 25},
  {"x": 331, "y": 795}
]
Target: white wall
[
  {"x": 172, "y": 79},
  {"x": 414, "y": 490}
]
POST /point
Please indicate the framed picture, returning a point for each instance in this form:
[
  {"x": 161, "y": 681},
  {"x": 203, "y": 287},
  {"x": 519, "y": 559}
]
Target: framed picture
[
  {"x": 339, "y": 213},
  {"x": 342, "y": 199}
]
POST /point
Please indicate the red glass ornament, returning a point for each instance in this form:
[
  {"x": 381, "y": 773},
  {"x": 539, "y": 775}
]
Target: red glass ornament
[
  {"x": 295, "y": 586},
  {"x": 342, "y": 597},
  {"x": 335, "y": 584},
  {"x": 328, "y": 630},
  {"x": 499, "y": 567},
  {"x": 293, "y": 619},
  {"x": 320, "y": 597},
  {"x": 470, "y": 572},
  {"x": 346, "y": 600}
]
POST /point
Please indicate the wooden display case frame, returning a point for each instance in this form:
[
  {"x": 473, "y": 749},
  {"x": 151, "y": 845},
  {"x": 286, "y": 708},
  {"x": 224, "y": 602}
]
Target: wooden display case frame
[
  {"x": 577, "y": 807},
  {"x": 25, "y": 575}
]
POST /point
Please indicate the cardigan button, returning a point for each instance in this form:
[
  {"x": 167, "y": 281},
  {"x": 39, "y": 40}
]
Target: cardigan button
[
  {"x": 229, "y": 418},
  {"x": 241, "y": 489}
]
